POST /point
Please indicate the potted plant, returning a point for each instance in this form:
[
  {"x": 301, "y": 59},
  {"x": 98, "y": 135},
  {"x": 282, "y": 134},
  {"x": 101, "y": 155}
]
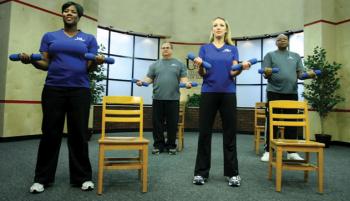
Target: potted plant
[
  {"x": 321, "y": 92},
  {"x": 193, "y": 100}
]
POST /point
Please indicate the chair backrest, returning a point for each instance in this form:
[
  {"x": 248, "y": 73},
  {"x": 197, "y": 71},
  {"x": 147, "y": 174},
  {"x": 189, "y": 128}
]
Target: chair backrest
[
  {"x": 299, "y": 118},
  {"x": 125, "y": 109},
  {"x": 259, "y": 114}
]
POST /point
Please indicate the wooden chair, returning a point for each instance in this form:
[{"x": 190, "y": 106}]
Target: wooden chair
[
  {"x": 181, "y": 127},
  {"x": 259, "y": 125},
  {"x": 299, "y": 119},
  {"x": 123, "y": 109}
]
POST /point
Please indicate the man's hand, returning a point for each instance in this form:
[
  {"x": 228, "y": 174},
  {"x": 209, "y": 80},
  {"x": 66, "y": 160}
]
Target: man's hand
[{"x": 267, "y": 72}]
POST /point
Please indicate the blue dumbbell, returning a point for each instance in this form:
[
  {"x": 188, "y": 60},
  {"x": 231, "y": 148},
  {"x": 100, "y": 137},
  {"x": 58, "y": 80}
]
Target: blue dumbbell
[
  {"x": 90, "y": 56},
  {"x": 306, "y": 75},
  {"x": 145, "y": 84},
  {"x": 239, "y": 66},
  {"x": 274, "y": 70},
  {"x": 205, "y": 64},
  {"x": 17, "y": 57},
  {"x": 183, "y": 85}
]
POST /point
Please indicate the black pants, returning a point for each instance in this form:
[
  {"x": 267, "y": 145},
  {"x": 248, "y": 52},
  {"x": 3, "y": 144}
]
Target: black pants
[
  {"x": 165, "y": 113},
  {"x": 57, "y": 102},
  {"x": 209, "y": 105},
  {"x": 289, "y": 132}
]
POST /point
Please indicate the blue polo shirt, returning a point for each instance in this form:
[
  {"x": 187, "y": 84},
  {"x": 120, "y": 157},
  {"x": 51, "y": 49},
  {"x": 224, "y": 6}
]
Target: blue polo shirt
[
  {"x": 218, "y": 78},
  {"x": 68, "y": 67}
]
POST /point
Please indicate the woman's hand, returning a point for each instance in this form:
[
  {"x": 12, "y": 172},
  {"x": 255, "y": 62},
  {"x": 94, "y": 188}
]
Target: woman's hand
[
  {"x": 25, "y": 58},
  {"x": 197, "y": 62},
  {"x": 99, "y": 59}
]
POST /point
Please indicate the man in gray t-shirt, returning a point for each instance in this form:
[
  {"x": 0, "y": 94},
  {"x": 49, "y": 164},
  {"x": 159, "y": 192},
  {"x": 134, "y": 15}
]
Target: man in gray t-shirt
[
  {"x": 282, "y": 85},
  {"x": 165, "y": 74}
]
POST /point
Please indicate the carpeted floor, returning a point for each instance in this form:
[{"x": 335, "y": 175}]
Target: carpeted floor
[{"x": 170, "y": 177}]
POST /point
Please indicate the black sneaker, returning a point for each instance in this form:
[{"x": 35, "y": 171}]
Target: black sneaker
[
  {"x": 155, "y": 151},
  {"x": 234, "y": 181},
  {"x": 172, "y": 151},
  {"x": 198, "y": 180}
]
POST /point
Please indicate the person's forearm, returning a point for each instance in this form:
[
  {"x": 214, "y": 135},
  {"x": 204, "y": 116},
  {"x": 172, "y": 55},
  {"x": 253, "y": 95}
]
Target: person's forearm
[
  {"x": 202, "y": 71},
  {"x": 42, "y": 65},
  {"x": 92, "y": 66},
  {"x": 148, "y": 80}
]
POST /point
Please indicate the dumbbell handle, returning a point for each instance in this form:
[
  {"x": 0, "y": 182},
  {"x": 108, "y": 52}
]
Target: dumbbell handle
[
  {"x": 183, "y": 85},
  {"x": 90, "y": 56},
  {"x": 274, "y": 70},
  {"x": 205, "y": 64},
  {"x": 145, "y": 84},
  {"x": 306, "y": 75},
  {"x": 239, "y": 66},
  {"x": 17, "y": 57}
]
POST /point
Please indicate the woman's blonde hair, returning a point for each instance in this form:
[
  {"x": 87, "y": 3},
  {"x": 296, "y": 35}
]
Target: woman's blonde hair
[{"x": 227, "y": 37}]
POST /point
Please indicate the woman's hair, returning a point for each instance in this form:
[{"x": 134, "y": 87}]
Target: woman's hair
[
  {"x": 227, "y": 37},
  {"x": 80, "y": 9}
]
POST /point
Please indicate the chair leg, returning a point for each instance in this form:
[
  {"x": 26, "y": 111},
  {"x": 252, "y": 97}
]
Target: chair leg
[
  {"x": 270, "y": 163},
  {"x": 257, "y": 141},
  {"x": 140, "y": 170},
  {"x": 306, "y": 173},
  {"x": 183, "y": 138},
  {"x": 278, "y": 169},
  {"x": 180, "y": 139},
  {"x": 144, "y": 168},
  {"x": 320, "y": 169},
  {"x": 100, "y": 169}
]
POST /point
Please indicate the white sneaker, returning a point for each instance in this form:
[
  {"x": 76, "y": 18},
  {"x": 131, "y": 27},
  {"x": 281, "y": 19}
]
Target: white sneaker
[
  {"x": 37, "y": 188},
  {"x": 87, "y": 186},
  {"x": 234, "y": 181},
  {"x": 294, "y": 156},
  {"x": 265, "y": 157}
]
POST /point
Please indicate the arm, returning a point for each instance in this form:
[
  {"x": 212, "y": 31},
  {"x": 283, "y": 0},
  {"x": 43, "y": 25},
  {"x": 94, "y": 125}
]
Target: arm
[
  {"x": 146, "y": 79},
  {"x": 92, "y": 64},
  {"x": 267, "y": 64},
  {"x": 235, "y": 72},
  {"x": 198, "y": 62},
  {"x": 92, "y": 48},
  {"x": 41, "y": 64}
]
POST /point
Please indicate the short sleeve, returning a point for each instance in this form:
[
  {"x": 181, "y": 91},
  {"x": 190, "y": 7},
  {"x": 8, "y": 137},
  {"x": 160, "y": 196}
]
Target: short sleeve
[
  {"x": 201, "y": 52},
  {"x": 183, "y": 70},
  {"x": 235, "y": 55},
  {"x": 151, "y": 71},
  {"x": 93, "y": 47},
  {"x": 300, "y": 65},
  {"x": 267, "y": 61},
  {"x": 44, "y": 45}
]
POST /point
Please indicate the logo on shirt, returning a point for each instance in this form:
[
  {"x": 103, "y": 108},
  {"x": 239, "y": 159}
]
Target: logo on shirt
[
  {"x": 290, "y": 57},
  {"x": 79, "y": 38},
  {"x": 226, "y": 50},
  {"x": 173, "y": 64}
]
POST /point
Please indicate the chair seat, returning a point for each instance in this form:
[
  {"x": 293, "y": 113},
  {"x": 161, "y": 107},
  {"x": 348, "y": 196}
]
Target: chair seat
[
  {"x": 123, "y": 140},
  {"x": 301, "y": 143}
]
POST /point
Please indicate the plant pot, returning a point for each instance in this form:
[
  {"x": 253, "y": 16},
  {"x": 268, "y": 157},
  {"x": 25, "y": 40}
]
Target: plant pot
[{"x": 323, "y": 138}]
